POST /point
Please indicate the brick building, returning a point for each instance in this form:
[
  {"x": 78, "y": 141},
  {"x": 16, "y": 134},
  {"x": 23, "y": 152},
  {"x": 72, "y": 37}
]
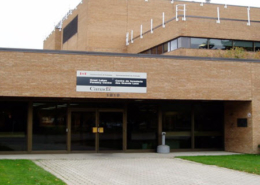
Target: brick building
[{"x": 114, "y": 74}]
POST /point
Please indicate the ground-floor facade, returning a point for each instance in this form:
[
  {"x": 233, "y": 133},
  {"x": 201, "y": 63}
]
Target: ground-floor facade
[
  {"x": 65, "y": 102},
  {"x": 110, "y": 126}
]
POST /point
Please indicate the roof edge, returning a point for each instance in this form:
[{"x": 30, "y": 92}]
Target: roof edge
[{"x": 124, "y": 55}]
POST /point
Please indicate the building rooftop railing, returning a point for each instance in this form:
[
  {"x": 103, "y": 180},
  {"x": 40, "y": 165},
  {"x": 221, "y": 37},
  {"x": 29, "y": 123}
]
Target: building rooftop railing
[{"x": 184, "y": 17}]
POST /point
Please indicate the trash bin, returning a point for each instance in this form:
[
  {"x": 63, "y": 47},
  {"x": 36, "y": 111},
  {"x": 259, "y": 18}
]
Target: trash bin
[{"x": 163, "y": 149}]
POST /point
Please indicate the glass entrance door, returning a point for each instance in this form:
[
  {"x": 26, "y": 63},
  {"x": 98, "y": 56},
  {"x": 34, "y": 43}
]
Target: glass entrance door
[
  {"x": 111, "y": 131},
  {"x": 82, "y": 137},
  {"x": 96, "y": 131}
]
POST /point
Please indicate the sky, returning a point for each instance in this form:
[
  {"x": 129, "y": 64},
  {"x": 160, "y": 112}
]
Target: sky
[{"x": 27, "y": 23}]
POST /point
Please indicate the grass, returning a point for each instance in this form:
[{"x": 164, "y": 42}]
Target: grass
[
  {"x": 25, "y": 172},
  {"x": 246, "y": 162}
]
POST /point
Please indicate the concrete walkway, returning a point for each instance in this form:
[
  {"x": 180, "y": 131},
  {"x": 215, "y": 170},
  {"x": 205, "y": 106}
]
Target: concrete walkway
[
  {"x": 135, "y": 169},
  {"x": 111, "y": 155}
]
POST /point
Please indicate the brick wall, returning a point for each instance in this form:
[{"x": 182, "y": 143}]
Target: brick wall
[
  {"x": 238, "y": 139},
  {"x": 53, "y": 42},
  {"x": 103, "y": 24},
  {"x": 256, "y": 106},
  {"x": 32, "y": 74},
  {"x": 102, "y": 27},
  {"x": 76, "y": 42},
  {"x": 196, "y": 28},
  {"x": 54, "y": 75}
]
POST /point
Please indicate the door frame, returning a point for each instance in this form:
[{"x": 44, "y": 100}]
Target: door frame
[
  {"x": 70, "y": 110},
  {"x": 97, "y": 111}
]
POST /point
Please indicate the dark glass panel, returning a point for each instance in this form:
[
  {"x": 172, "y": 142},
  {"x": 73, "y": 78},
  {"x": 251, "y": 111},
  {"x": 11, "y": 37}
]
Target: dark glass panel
[
  {"x": 82, "y": 137},
  {"x": 49, "y": 126},
  {"x": 113, "y": 105},
  {"x": 146, "y": 52},
  {"x": 83, "y": 105},
  {"x": 208, "y": 116},
  {"x": 142, "y": 126},
  {"x": 112, "y": 138},
  {"x": 165, "y": 47},
  {"x": 154, "y": 50},
  {"x": 257, "y": 46},
  {"x": 199, "y": 43},
  {"x": 160, "y": 49},
  {"x": 244, "y": 44},
  {"x": 220, "y": 44},
  {"x": 178, "y": 142},
  {"x": 209, "y": 142},
  {"x": 209, "y": 127},
  {"x": 70, "y": 30},
  {"x": 13, "y": 126},
  {"x": 177, "y": 121},
  {"x": 184, "y": 42},
  {"x": 177, "y": 125}
]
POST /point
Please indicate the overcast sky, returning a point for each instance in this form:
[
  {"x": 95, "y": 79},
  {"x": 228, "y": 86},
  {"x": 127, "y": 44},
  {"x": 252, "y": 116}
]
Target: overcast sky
[{"x": 26, "y": 23}]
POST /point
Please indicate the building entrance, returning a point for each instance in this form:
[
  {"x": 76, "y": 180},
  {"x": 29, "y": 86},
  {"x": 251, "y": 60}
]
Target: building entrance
[
  {"x": 96, "y": 130},
  {"x": 60, "y": 127}
]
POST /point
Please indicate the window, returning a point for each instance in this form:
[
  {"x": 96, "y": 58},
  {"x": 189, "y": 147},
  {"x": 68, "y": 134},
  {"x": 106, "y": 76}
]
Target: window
[
  {"x": 244, "y": 44},
  {"x": 199, "y": 43},
  {"x": 70, "y": 30},
  {"x": 176, "y": 123},
  {"x": 160, "y": 49},
  {"x": 220, "y": 44},
  {"x": 202, "y": 43},
  {"x": 146, "y": 52},
  {"x": 13, "y": 126},
  {"x": 82, "y": 137},
  {"x": 165, "y": 47},
  {"x": 184, "y": 42},
  {"x": 142, "y": 126},
  {"x": 257, "y": 46},
  {"x": 208, "y": 119},
  {"x": 49, "y": 126},
  {"x": 174, "y": 45},
  {"x": 154, "y": 50}
]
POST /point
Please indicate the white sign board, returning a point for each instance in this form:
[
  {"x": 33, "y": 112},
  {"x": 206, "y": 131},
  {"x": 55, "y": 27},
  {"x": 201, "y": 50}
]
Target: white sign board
[{"x": 117, "y": 82}]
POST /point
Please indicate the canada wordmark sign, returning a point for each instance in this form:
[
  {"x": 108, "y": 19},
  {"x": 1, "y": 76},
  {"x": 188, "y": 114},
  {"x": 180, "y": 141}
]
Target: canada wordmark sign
[{"x": 101, "y": 81}]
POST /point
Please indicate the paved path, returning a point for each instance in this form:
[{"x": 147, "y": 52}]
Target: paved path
[
  {"x": 111, "y": 155},
  {"x": 135, "y": 169}
]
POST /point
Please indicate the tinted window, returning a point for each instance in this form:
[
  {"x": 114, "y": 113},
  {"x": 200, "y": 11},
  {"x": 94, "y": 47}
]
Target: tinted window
[
  {"x": 112, "y": 138},
  {"x": 13, "y": 126},
  {"x": 199, "y": 43},
  {"x": 174, "y": 45},
  {"x": 70, "y": 30},
  {"x": 177, "y": 124},
  {"x": 184, "y": 42},
  {"x": 142, "y": 126},
  {"x": 160, "y": 49},
  {"x": 220, "y": 44},
  {"x": 49, "y": 126},
  {"x": 82, "y": 137},
  {"x": 146, "y": 52},
  {"x": 165, "y": 47},
  {"x": 154, "y": 50},
  {"x": 209, "y": 125},
  {"x": 244, "y": 44},
  {"x": 257, "y": 46}
]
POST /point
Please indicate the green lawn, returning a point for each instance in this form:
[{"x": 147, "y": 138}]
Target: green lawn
[
  {"x": 25, "y": 172},
  {"x": 247, "y": 163}
]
